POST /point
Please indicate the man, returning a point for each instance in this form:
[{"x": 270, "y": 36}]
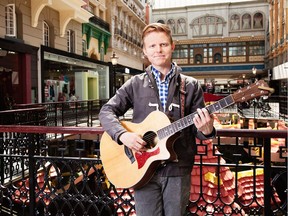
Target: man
[{"x": 160, "y": 87}]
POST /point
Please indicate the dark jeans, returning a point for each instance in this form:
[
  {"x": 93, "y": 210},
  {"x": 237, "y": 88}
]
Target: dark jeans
[{"x": 163, "y": 196}]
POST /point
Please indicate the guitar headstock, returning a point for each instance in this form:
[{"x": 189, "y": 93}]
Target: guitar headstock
[{"x": 254, "y": 90}]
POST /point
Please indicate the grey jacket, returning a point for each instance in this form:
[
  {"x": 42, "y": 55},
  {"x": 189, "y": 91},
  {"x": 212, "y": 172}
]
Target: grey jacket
[{"x": 141, "y": 94}]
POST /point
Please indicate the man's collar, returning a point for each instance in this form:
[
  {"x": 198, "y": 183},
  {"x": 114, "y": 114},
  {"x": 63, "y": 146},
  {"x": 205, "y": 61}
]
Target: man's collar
[{"x": 157, "y": 73}]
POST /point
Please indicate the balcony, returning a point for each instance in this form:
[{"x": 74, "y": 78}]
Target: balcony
[
  {"x": 235, "y": 173},
  {"x": 124, "y": 36},
  {"x": 99, "y": 22}
]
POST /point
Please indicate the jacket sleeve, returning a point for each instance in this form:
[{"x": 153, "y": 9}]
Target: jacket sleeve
[
  {"x": 201, "y": 136},
  {"x": 115, "y": 107}
]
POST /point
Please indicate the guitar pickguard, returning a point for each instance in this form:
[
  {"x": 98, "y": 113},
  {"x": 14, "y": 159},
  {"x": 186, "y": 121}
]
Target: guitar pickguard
[{"x": 142, "y": 157}]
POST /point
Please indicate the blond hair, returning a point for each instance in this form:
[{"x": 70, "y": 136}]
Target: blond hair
[{"x": 156, "y": 27}]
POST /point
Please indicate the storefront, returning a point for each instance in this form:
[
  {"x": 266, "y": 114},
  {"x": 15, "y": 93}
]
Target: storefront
[
  {"x": 18, "y": 73},
  {"x": 67, "y": 75},
  {"x": 123, "y": 73}
]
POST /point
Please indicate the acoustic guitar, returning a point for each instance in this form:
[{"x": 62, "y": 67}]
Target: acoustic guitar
[{"x": 125, "y": 168}]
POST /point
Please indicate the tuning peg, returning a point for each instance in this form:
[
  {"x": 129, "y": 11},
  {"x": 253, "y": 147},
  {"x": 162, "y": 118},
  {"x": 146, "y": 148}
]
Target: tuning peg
[{"x": 271, "y": 90}]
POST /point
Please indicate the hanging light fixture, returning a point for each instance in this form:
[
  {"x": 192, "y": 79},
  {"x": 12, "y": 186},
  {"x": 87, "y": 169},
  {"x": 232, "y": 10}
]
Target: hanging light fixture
[
  {"x": 114, "y": 61},
  {"x": 254, "y": 70}
]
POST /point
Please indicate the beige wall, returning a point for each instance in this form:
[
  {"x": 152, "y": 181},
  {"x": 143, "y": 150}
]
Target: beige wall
[{"x": 33, "y": 35}]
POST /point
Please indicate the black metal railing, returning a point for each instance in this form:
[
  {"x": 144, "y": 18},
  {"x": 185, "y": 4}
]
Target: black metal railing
[
  {"x": 237, "y": 174},
  {"x": 73, "y": 113},
  {"x": 68, "y": 113},
  {"x": 58, "y": 171},
  {"x": 36, "y": 115}
]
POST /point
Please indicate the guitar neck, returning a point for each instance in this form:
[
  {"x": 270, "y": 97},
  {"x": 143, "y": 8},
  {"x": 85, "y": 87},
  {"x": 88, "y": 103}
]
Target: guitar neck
[{"x": 188, "y": 120}]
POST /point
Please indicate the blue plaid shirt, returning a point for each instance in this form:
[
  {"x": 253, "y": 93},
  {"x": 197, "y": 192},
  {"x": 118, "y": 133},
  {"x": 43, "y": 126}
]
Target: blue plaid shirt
[{"x": 163, "y": 85}]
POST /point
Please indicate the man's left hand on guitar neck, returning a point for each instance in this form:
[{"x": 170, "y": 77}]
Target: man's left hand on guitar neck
[{"x": 204, "y": 121}]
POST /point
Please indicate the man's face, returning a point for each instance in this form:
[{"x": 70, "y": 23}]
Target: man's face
[{"x": 158, "y": 49}]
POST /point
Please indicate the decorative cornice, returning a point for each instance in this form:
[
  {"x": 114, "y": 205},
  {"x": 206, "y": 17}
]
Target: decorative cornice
[
  {"x": 68, "y": 9},
  {"x": 220, "y": 40}
]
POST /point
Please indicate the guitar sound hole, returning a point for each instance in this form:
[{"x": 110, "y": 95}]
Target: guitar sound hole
[{"x": 151, "y": 139}]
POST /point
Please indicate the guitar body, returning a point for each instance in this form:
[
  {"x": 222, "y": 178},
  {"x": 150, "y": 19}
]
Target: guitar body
[{"x": 124, "y": 172}]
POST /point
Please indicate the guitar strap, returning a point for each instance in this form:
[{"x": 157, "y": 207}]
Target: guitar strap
[{"x": 182, "y": 96}]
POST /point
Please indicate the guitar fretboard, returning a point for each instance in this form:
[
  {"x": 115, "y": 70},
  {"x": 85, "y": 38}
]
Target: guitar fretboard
[{"x": 188, "y": 120}]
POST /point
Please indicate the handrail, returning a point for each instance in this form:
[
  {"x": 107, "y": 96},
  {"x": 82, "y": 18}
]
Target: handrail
[
  {"x": 50, "y": 129},
  {"x": 96, "y": 130},
  {"x": 23, "y": 110},
  {"x": 252, "y": 133}
]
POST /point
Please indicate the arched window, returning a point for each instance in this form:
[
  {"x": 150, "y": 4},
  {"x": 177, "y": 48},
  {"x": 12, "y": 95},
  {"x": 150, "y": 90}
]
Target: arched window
[
  {"x": 217, "y": 58},
  {"x": 181, "y": 26},
  {"x": 161, "y": 21},
  {"x": 46, "y": 32},
  {"x": 246, "y": 21},
  {"x": 198, "y": 59},
  {"x": 258, "y": 21},
  {"x": 171, "y": 24},
  {"x": 207, "y": 25},
  {"x": 235, "y": 22}
]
